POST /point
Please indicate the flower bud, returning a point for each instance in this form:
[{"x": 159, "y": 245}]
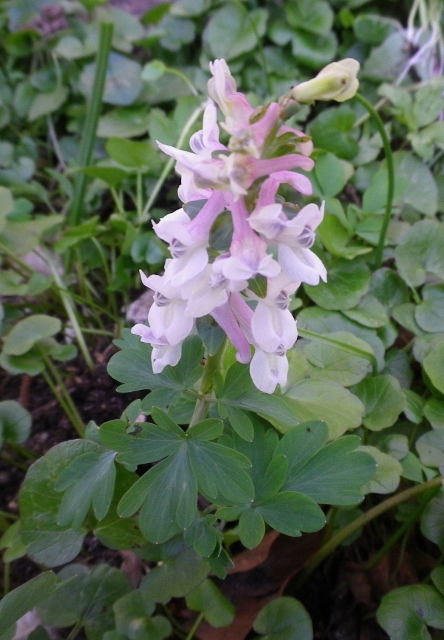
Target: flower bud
[{"x": 337, "y": 81}]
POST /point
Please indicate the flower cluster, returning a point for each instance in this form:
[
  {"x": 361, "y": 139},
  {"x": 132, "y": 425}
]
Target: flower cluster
[{"x": 246, "y": 288}]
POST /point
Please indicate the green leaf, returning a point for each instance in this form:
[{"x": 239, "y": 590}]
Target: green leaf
[
  {"x": 388, "y": 472},
  {"x": 369, "y": 312},
  {"x": 322, "y": 321},
  {"x": 331, "y": 130},
  {"x": 87, "y": 481},
  {"x": 27, "y": 332},
  {"x": 335, "y": 237},
  {"x": 313, "y": 51},
  {"x": 284, "y": 619},
  {"x": 406, "y": 612},
  {"x": 208, "y": 599},
  {"x": 330, "y": 174},
  {"x": 329, "y": 473},
  {"x": 383, "y": 400},
  {"x": 123, "y": 82},
  {"x": 433, "y": 365},
  {"x": 180, "y": 572},
  {"x": 144, "y": 443},
  {"x": 46, "y": 103},
  {"x": 48, "y": 542},
  {"x": 373, "y": 29},
  {"x": 129, "y": 153},
  {"x": 124, "y": 122},
  {"x": 21, "y": 600},
  {"x": 113, "y": 176},
  {"x": 219, "y": 469},
  {"x": 240, "y": 422},
  {"x": 133, "y": 616},
  {"x": 291, "y": 513},
  {"x": 314, "y": 16},
  {"x": 387, "y": 61},
  {"x": 432, "y": 520},
  {"x": 348, "y": 281},
  {"x": 232, "y": 30},
  {"x": 387, "y": 287},
  {"x": 330, "y": 362},
  {"x": 430, "y": 447},
  {"x": 251, "y": 528},
  {"x": 132, "y": 366},
  {"x": 421, "y": 252},
  {"x": 327, "y": 401},
  {"x": 15, "y": 422},
  {"x": 166, "y": 496},
  {"x": 211, "y": 334},
  {"x": 430, "y": 312},
  {"x": 434, "y": 412},
  {"x": 209, "y": 429}
]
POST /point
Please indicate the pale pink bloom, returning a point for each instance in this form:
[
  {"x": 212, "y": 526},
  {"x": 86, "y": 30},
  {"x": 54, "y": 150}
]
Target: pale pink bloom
[
  {"x": 234, "y": 172},
  {"x": 267, "y": 370},
  {"x": 188, "y": 239},
  {"x": 166, "y": 316},
  {"x": 210, "y": 289},
  {"x": 293, "y": 238},
  {"x": 248, "y": 253},
  {"x": 272, "y": 324},
  {"x": 222, "y": 89},
  {"x": 163, "y": 353},
  {"x": 225, "y": 318}
]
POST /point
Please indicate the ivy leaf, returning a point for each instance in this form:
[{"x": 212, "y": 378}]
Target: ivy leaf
[
  {"x": 348, "y": 281},
  {"x": 284, "y": 619},
  {"x": 87, "y": 481},
  {"x": 406, "y": 612},
  {"x": 49, "y": 542},
  {"x": 383, "y": 399},
  {"x": 327, "y": 401},
  {"x": 421, "y": 252},
  {"x": 24, "y": 598},
  {"x": 207, "y": 598}
]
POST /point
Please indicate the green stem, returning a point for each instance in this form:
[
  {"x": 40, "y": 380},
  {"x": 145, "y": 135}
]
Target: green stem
[
  {"x": 70, "y": 310},
  {"x": 6, "y": 578},
  {"x": 391, "y": 176},
  {"x": 63, "y": 396},
  {"x": 347, "y": 348},
  {"x": 26, "y": 453},
  {"x": 360, "y": 522},
  {"x": 75, "y": 630},
  {"x": 211, "y": 366},
  {"x": 92, "y": 118},
  {"x": 195, "y": 626},
  {"x": 10, "y": 516},
  {"x": 13, "y": 463},
  {"x": 400, "y": 532}
]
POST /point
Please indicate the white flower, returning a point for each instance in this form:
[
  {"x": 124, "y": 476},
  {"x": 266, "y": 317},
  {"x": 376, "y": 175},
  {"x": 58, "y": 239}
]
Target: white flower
[
  {"x": 163, "y": 353},
  {"x": 267, "y": 370}
]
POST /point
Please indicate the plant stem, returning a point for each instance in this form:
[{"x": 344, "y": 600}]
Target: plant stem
[
  {"x": 211, "y": 366},
  {"x": 195, "y": 626},
  {"x": 360, "y": 522},
  {"x": 75, "y": 630},
  {"x": 400, "y": 532},
  {"x": 92, "y": 118},
  {"x": 390, "y": 177},
  {"x": 6, "y": 578},
  {"x": 63, "y": 396},
  {"x": 70, "y": 310}
]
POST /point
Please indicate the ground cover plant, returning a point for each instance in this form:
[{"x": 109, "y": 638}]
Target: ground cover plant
[{"x": 270, "y": 465}]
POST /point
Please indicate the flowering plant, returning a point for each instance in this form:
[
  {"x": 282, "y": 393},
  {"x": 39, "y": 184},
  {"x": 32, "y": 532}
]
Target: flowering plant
[{"x": 246, "y": 286}]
